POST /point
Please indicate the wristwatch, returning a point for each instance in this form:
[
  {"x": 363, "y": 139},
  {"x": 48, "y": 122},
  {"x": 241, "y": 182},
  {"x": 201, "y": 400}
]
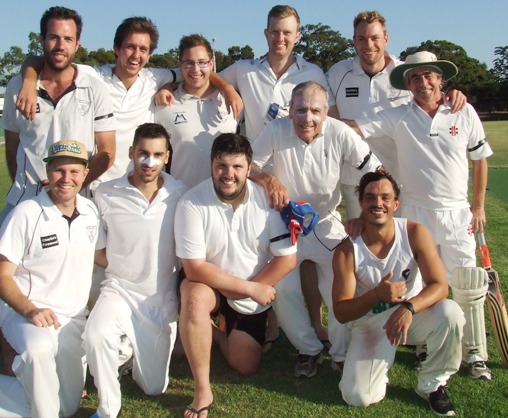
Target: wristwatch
[{"x": 409, "y": 306}]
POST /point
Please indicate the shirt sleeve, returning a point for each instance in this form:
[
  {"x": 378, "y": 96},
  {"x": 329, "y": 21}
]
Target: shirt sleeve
[
  {"x": 478, "y": 147},
  {"x": 13, "y": 235},
  {"x": 263, "y": 148},
  {"x": 358, "y": 153},
  {"x": 9, "y": 111},
  {"x": 104, "y": 119},
  {"x": 189, "y": 231},
  {"x": 279, "y": 247}
]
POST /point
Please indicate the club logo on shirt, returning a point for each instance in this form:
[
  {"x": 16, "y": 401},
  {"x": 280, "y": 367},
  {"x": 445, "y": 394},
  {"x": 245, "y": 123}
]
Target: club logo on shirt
[
  {"x": 38, "y": 108},
  {"x": 49, "y": 241},
  {"x": 352, "y": 91},
  {"x": 84, "y": 106},
  {"x": 91, "y": 230},
  {"x": 180, "y": 118},
  {"x": 454, "y": 130},
  {"x": 406, "y": 274}
]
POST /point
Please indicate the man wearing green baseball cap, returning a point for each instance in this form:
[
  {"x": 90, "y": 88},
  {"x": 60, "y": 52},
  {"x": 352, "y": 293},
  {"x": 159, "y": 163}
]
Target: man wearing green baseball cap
[{"x": 47, "y": 247}]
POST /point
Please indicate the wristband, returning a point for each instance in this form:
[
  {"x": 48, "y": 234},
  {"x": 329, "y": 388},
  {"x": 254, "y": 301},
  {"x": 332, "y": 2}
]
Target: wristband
[{"x": 409, "y": 306}]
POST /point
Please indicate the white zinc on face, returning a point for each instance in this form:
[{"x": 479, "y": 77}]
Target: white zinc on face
[{"x": 150, "y": 161}]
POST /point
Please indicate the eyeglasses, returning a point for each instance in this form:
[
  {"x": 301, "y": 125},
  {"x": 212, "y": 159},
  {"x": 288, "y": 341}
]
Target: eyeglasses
[{"x": 189, "y": 65}]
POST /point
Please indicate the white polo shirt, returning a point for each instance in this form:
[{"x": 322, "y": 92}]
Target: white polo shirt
[
  {"x": 311, "y": 172},
  {"x": 132, "y": 107},
  {"x": 432, "y": 152},
  {"x": 54, "y": 258},
  {"x": 139, "y": 239},
  {"x": 260, "y": 88},
  {"x": 356, "y": 94},
  {"x": 86, "y": 108},
  {"x": 194, "y": 123},
  {"x": 237, "y": 241}
]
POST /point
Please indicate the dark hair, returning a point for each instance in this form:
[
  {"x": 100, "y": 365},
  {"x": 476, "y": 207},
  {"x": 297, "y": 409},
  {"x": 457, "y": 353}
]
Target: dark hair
[
  {"x": 229, "y": 143},
  {"x": 153, "y": 131},
  {"x": 281, "y": 11},
  {"x": 376, "y": 176},
  {"x": 60, "y": 13},
  {"x": 137, "y": 24},
  {"x": 191, "y": 41}
]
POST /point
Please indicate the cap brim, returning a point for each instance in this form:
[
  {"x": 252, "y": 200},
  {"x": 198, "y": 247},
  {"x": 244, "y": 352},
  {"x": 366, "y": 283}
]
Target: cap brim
[
  {"x": 48, "y": 159},
  {"x": 448, "y": 68}
]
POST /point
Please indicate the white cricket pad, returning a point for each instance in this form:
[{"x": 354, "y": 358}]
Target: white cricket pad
[{"x": 469, "y": 286}]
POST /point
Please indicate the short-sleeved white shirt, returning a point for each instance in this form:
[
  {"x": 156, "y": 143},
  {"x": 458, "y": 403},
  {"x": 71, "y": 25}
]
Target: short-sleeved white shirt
[
  {"x": 80, "y": 113},
  {"x": 193, "y": 123},
  {"x": 236, "y": 241},
  {"x": 259, "y": 88},
  {"x": 311, "y": 172},
  {"x": 139, "y": 239},
  {"x": 54, "y": 258},
  {"x": 432, "y": 152},
  {"x": 132, "y": 107},
  {"x": 356, "y": 94}
]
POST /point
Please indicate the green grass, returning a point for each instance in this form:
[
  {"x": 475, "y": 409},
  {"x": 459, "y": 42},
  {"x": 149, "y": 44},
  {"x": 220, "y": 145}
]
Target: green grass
[{"x": 273, "y": 392}]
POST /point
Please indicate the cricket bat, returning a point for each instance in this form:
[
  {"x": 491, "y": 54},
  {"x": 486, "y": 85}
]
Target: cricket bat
[{"x": 495, "y": 301}]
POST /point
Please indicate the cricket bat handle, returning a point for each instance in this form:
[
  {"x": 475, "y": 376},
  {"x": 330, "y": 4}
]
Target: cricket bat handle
[{"x": 484, "y": 251}]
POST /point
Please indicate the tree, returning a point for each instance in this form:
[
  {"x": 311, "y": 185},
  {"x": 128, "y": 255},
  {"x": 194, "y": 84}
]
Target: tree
[
  {"x": 101, "y": 57},
  {"x": 473, "y": 79},
  {"x": 500, "y": 69},
  {"x": 235, "y": 53},
  {"x": 167, "y": 60},
  {"x": 34, "y": 46},
  {"x": 10, "y": 64},
  {"x": 323, "y": 46}
]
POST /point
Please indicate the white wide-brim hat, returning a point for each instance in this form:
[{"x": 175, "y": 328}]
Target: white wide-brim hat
[{"x": 421, "y": 59}]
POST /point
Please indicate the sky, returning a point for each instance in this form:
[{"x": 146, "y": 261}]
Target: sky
[{"x": 477, "y": 26}]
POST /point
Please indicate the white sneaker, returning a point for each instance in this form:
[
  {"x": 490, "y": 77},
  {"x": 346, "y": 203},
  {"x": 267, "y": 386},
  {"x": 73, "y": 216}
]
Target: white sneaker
[{"x": 478, "y": 370}]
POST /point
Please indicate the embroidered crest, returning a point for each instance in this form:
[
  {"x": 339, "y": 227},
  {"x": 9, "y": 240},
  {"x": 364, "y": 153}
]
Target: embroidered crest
[
  {"x": 91, "y": 231},
  {"x": 83, "y": 106}
]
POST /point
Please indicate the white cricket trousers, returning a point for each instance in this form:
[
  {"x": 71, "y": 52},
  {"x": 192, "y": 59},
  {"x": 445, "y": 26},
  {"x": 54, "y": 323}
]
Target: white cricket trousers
[
  {"x": 49, "y": 371},
  {"x": 290, "y": 306},
  {"x": 117, "y": 331},
  {"x": 371, "y": 355}
]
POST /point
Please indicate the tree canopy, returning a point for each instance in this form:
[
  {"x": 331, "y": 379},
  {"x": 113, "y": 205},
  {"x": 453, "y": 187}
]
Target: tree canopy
[{"x": 323, "y": 46}]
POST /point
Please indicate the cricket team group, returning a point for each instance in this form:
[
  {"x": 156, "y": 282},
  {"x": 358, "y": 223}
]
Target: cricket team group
[{"x": 114, "y": 230}]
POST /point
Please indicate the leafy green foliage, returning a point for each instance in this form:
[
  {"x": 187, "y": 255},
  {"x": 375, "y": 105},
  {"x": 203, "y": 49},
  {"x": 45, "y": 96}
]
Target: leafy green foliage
[
  {"x": 323, "y": 46},
  {"x": 10, "y": 63}
]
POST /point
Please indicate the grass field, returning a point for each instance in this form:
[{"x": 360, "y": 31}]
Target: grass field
[{"x": 273, "y": 392}]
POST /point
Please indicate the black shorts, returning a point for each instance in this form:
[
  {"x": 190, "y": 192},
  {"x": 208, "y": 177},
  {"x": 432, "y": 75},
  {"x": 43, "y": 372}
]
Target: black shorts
[{"x": 254, "y": 325}]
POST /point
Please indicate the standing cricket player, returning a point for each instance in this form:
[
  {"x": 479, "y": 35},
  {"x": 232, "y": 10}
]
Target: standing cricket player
[{"x": 433, "y": 147}]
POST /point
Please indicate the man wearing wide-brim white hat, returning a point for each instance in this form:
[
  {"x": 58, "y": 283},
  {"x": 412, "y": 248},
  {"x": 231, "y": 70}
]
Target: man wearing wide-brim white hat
[{"x": 433, "y": 146}]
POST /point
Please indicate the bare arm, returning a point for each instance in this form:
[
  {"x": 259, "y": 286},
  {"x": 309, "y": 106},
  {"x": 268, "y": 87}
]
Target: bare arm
[
  {"x": 333, "y": 112},
  {"x": 345, "y": 306},
  {"x": 277, "y": 193},
  {"x": 480, "y": 175},
  {"x": 233, "y": 100},
  {"x": 105, "y": 156},
  {"x": 202, "y": 271},
  {"x": 353, "y": 125},
  {"x": 433, "y": 275},
  {"x": 11, "y": 149},
  {"x": 100, "y": 258},
  {"x": 10, "y": 293},
  {"x": 27, "y": 96},
  {"x": 276, "y": 269}
]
